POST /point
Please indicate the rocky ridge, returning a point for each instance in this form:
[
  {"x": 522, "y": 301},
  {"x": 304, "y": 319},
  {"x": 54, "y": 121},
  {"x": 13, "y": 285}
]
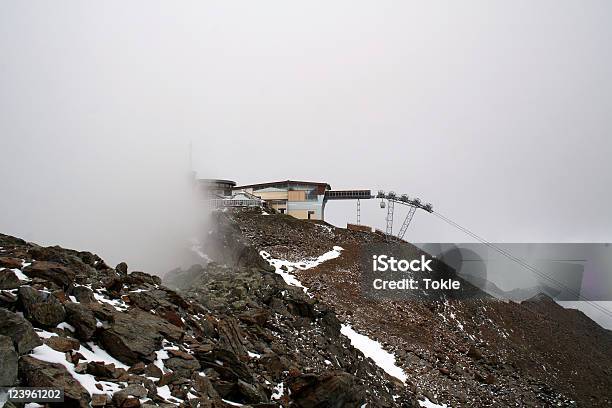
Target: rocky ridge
[
  {"x": 225, "y": 335},
  {"x": 266, "y": 325}
]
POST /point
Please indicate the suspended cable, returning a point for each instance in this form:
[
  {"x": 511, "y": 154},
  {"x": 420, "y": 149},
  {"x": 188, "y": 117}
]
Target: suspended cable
[{"x": 525, "y": 265}]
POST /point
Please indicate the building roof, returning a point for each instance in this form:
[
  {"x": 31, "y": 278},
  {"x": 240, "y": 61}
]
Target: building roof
[
  {"x": 217, "y": 181},
  {"x": 286, "y": 182}
]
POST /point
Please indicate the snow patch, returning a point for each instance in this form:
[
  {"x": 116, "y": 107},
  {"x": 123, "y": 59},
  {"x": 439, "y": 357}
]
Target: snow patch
[
  {"x": 374, "y": 350},
  {"x": 66, "y": 326},
  {"x": 119, "y": 305},
  {"x": 279, "y": 390},
  {"x": 232, "y": 403},
  {"x": 164, "y": 392},
  {"x": 95, "y": 353},
  {"x": 284, "y": 268},
  {"x": 20, "y": 275},
  {"x": 428, "y": 404},
  {"x": 88, "y": 381}
]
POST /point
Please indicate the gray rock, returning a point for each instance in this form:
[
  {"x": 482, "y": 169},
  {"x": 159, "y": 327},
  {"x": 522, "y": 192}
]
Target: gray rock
[
  {"x": 82, "y": 319},
  {"x": 129, "y": 396},
  {"x": 8, "y": 262},
  {"x": 36, "y": 373},
  {"x": 41, "y": 307},
  {"x": 8, "y": 279},
  {"x": 136, "y": 335},
  {"x": 121, "y": 268},
  {"x": 231, "y": 337},
  {"x": 251, "y": 393},
  {"x": 83, "y": 294},
  {"x": 8, "y": 362},
  {"x": 202, "y": 384},
  {"x": 19, "y": 330},
  {"x": 51, "y": 271},
  {"x": 181, "y": 366},
  {"x": 333, "y": 389}
]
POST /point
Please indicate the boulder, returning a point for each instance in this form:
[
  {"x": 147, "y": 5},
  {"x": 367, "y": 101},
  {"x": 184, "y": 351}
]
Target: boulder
[
  {"x": 99, "y": 400},
  {"x": 336, "y": 389},
  {"x": 8, "y": 362},
  {"x": 82, "y": 319},
  {"x": 42, "y": 308},
  {"x": 51, "y": 271},
  {"x": 36, "y": 373},
  {"x": 11, "y": 263},
  {"x": 101, "y": 370},
  {"x": 202, "y": 384},
  {"x": 139, "y": 278},
  {"x": 129, "y": 396},
  {"x": 19, "y": 330},
  {"x": 151, "y": 370},
  {"x": 231, "y": 337},
  {"x": 121, "y": 268},
  {"x": 135, "y": 336},
  {"x": 137, "y": 368},
  {"x": 251, "y": 393},
  {"x": 83, "y": 294},
  {"x": 8, "y": 279},
  {"x": 63, "y": 344},
  {"x": 7, "y": 298},
  {"x": 182, "y": 366}
]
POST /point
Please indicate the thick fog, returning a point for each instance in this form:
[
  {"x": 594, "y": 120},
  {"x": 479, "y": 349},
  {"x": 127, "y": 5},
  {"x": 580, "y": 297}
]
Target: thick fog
[
  {"x": 496, "y": 112},
  {"x": 124, "y": 197}
]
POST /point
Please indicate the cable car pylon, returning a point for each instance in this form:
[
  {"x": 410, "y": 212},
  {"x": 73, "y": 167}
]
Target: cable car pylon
[
  {"x": 413, "y": 204},
  {"x": 406, "y": 222}
]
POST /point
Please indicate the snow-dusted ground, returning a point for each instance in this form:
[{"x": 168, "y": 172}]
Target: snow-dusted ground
[
  {"x": 46, "y": 353},
  {"x": 290, "y": 266},
  {"x": 370, "y": 348}
]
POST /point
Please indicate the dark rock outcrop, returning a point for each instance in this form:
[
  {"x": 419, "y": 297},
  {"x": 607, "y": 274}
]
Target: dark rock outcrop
[
  {"x": 42, "y": 308},
  {"x": 19, "y": 330},
  {"x": 8, "y": 362},
  {"x": 8, "y": 279},
  {"x": 51, "y": 271},
  {"x": 233, "y": 330},
  {"x": 136, "y": 335},
  {"x": 82, "y": 319},
  {"x": 36, "y": 373},
  {"x": 334, "y": 390}
]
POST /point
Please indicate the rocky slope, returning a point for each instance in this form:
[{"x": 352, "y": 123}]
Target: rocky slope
[
  {"x": 277, "y": 319},
  {"x": 479, "y": 352},
  {"x": 232, "y": 335}
]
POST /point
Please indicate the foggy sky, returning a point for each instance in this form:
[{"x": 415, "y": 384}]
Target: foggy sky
[{"x": 496, "y": 112}]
